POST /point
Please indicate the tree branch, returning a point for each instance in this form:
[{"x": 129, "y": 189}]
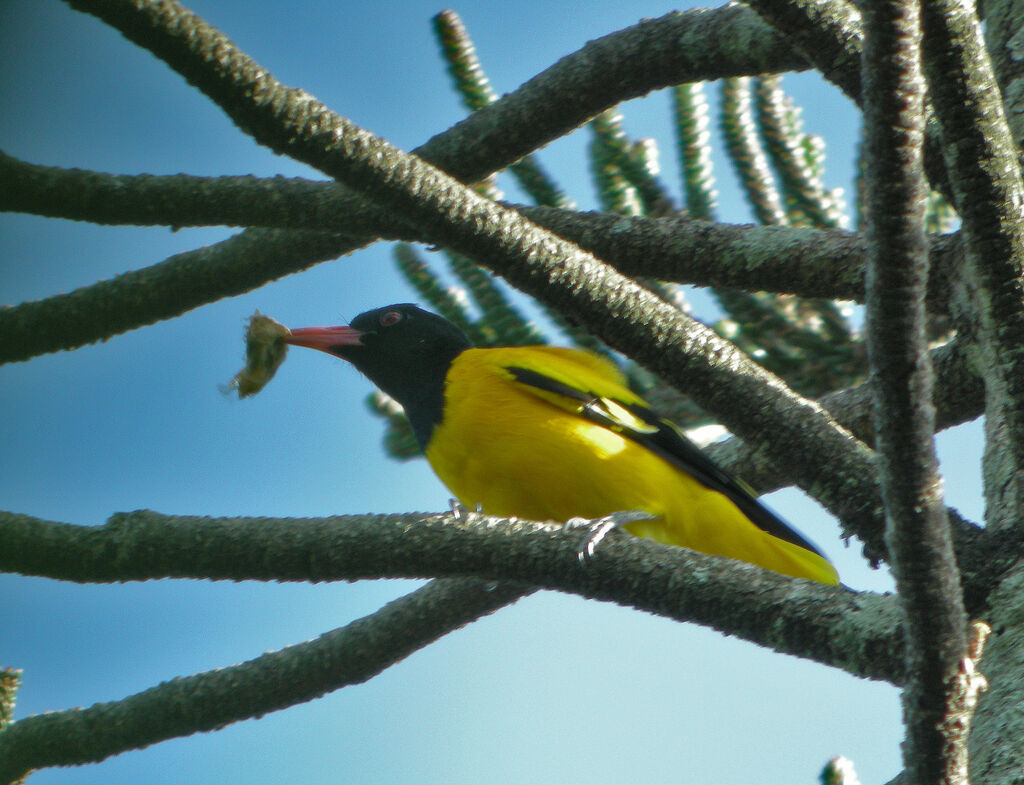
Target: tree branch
[
  {"x": 804, "y": 194},
  {"x": 855, "y": 632},
  {"x": 183, "y": 200},
  {"x": 653, "y": 54},
  {"x": 828, "y": 34},
  {"x": 686, "y": 46},
  {"x": 1004, "y": 20},
  {"x": 747, "y": 153},
  {"x": 208, "y": 701},
  {"x": 997, "y": 756},
  {"x": 917, "y": 530},
  {"x": 989, "y": 193},
  {"x": 475, "y": 89},
  {"x": 177, "y": 284},
  {"x": 806, "y": 262}
]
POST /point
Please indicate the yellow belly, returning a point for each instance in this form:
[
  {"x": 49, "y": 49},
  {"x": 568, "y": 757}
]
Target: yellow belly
[{"x": 531, "y": 459}]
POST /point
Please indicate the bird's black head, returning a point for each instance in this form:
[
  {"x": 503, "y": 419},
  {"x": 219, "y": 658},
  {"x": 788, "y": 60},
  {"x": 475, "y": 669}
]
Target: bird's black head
[{"x": 403, "y": 349}]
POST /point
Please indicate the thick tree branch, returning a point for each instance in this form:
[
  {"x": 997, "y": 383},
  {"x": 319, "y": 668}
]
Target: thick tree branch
[
  {"x": 182, "y": 200},
  {"x": 958, "y": 393},
  {"x": 164, "y": 290},
  {"x": 917, "y": 530},
  {"x": 1004, "y": 24},
  {"x": 806, "y": 262},
  {"x": 686, "y": 46},
  {"x": 958, "y": 396},
  {"x": 828, "y": 34},
  {"x": 855, "y": 632},
  {"x": 208, "y": 701},
  {"x": 997, "y": 756},
  {"x": 986, "y": 180}
]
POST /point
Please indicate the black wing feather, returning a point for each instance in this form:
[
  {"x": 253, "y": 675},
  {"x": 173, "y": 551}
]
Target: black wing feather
[{"x": 666, "y": 441}]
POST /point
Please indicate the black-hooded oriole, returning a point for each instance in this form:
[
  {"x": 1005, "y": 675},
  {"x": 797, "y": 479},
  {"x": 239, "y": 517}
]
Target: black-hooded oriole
[{"x": 545, "y": 433}]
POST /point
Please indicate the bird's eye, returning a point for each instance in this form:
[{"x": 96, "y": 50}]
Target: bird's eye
[{"x": 389, "y": 318}]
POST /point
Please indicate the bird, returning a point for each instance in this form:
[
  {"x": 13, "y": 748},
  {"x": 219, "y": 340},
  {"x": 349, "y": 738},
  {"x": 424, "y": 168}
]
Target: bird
[{"x": 552, "y": 434}]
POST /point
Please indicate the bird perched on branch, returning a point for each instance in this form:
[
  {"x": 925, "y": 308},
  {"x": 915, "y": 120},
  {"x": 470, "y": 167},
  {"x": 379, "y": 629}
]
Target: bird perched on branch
[{"x": 545, "y": 433}]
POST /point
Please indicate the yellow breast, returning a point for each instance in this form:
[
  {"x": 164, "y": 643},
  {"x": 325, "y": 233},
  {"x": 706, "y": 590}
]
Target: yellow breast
[{"x": 515, "y": 452}]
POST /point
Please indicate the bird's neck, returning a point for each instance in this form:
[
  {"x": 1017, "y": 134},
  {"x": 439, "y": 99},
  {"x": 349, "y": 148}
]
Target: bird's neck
[{"x": 422, "y": 395}]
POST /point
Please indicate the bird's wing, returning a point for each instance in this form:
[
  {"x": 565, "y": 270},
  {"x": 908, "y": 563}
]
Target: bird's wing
[{"x": 604, "y": 401}]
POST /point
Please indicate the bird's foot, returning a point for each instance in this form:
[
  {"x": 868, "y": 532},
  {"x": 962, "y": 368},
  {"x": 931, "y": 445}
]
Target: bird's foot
[
  {"x": 598, "y": 528},
  {"x": 461, "y": 513}
]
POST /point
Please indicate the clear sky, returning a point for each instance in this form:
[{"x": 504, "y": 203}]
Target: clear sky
[{"x": 552, "y": 690}]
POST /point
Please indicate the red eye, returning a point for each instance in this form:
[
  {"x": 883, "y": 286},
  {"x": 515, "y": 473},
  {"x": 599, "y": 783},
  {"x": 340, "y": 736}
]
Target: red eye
[{"x": 389, "y": 318}]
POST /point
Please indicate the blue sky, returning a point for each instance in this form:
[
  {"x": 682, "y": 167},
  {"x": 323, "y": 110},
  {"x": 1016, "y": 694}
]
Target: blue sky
[{"x": 552, "y": 690}]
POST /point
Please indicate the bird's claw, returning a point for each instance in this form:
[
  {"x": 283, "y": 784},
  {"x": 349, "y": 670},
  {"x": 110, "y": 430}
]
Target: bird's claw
[
  {"x": 461, "y": 513},
  {"x": 598, "y": 528}
]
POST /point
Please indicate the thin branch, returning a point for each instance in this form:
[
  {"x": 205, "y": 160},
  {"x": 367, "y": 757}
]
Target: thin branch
[
  {"x": 614, "y": 150},
  {"x": 690, "y": 115},
  {"x": 805, "y": 197},
  {"x": 500, "y": 317},
  {"x": 917, "y": 531},
  {"x": 747, "y": 154},
  {"x": 10, "y": 681},
  {"x": 449, "y": 302},
  {"x": 855, "y": 632},
  {"x": 615, "y": 193},
  {"x": 475, "y": 89},
  {"x": 989, "y": 195},
  {"x": 208, "y": 701}
]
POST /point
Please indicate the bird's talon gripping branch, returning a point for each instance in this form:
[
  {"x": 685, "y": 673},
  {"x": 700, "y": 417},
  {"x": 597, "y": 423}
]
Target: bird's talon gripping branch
[
  {"x": 462, "y": 513},
  {"x": 598, "y": 528}
]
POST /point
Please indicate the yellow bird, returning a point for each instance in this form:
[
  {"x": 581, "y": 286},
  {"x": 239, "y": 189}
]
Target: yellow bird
[{"x": 545, "y": 433}]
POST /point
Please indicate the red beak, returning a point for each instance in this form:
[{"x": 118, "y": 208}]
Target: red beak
[{"x": 324, "y": 338}]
